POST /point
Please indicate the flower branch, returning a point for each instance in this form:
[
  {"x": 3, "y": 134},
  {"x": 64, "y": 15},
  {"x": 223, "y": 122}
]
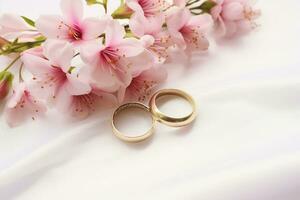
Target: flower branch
[
  {"x": 19, "y": 47},
  {"x": 12, "y": 63},
  {"x": 115, "y": 62}
]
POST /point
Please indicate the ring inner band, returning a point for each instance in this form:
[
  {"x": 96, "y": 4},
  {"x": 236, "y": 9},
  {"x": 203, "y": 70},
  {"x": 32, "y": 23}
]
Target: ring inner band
[
  {"x": 168, "y": 120},
  {"x": 121, "y": 135}
]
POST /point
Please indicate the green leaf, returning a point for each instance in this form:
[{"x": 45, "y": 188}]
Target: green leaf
[
  {"x": 29, "y": 21},
  {"x": 207, "y": 6}
]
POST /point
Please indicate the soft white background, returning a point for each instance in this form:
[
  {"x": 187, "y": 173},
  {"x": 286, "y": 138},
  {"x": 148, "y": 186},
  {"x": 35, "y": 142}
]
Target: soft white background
[{"x": 245, "y": 144}]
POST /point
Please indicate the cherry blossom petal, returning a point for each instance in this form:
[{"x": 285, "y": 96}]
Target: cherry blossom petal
[
  {"x": 59, "y": 53},
  {"x": 231, "y": 28},
  {"x": 63, "y": 101},
  {"x": 89, "y": 52},
  {"x": 215, "y": 11},
  {"x": 245, "y": 26},
  {"x": 23, "y": 105},
  {"x": 130, "y": 47},
  {"x": 233, "y": 11},
  {"x": 220, "y": 29},
  {"x": 114, "y": 33},
  {"x": 122, "y": 93},
  {"x": 177, "y": 19},
  {"x": 106, "y": 98},
  {"x": 178, "y": 39},
  {"x": 180, "y": 3},
  {"x": 78, "y": 108},
  {"x": 155, "y": 23},
  {"x": 105, "y": 76},
  {"x": 140, "y": 25},
  {"x": 17, "y": 95},
  {"x": 72, "y": 10},
  {"x": 75, "y": 86},
  {"x": 37, "y": 51},
  {"x": 102, "y": 79},
  {"x": 134, "y": 5},
  {"x": 93, "y": 28},
  {"x": 147, "y": 8},
  {"x": 156, "y": 74},
  {"x": 51, "y": 26},
  {"x": 122, "y": 78},
  {"x": 137, "y": 24},
  {"x": 203, "y": 22},
  {"x": 12, "y": 23},
  {"x": 175, "y": 22},
  {"x": 142, "y": 85},
  {"x": 14, "y": 117},
  {"x": 147, "y": 40},
  {"x": 81, "y": 106},
  {"x": 140, "y": 63},
  {"x": 36, "y": 65}
]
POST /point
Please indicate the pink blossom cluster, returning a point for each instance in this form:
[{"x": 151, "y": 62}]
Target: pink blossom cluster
[{"x": 79, "y": 64}]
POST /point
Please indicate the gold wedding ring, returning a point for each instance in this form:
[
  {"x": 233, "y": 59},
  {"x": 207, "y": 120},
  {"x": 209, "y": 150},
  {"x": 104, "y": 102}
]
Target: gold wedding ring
[
  {"x": 122, "y": 136},
  {"x": 156, "y": 114},
  {"x": 168, "y": 120}
]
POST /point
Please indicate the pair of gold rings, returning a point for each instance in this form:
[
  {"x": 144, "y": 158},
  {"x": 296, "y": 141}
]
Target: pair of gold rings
[{"x": 156, "y": 114}]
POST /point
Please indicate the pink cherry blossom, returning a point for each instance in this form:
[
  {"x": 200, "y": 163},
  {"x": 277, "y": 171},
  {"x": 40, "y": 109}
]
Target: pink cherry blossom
[
  {"x": 233, "y": 16},
  {"x": 115, "y": 62},
  {"x": 13, "y": 26},
  {"x": 147, "y": 8},
  {"x": 154, "y": 36},
  {"x": 71, "y": 26},
  {"x": 142, "y": 85},
  {"x": 188, "y": 32},
  {"x": 23, "y": 105},
  {"x": 52, "y": 72},
  {"x": 81, "y": 106},
  {"x": 180, "y": 3}
]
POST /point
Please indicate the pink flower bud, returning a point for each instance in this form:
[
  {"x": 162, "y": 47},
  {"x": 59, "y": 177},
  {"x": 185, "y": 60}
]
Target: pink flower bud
[
  {"x": 6, "y": 79},
  {"x": 123, "y": 12},
  {"x": 3, "y": 42}
]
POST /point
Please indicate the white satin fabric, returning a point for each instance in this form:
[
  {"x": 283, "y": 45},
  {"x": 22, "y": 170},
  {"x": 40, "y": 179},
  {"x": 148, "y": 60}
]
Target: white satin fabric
[{"x": 244, "y": 145}]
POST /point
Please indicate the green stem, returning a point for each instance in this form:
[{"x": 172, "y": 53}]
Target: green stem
[
  {"x": 17, "y": 48},
  {"x": 12, "y": 63}
]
